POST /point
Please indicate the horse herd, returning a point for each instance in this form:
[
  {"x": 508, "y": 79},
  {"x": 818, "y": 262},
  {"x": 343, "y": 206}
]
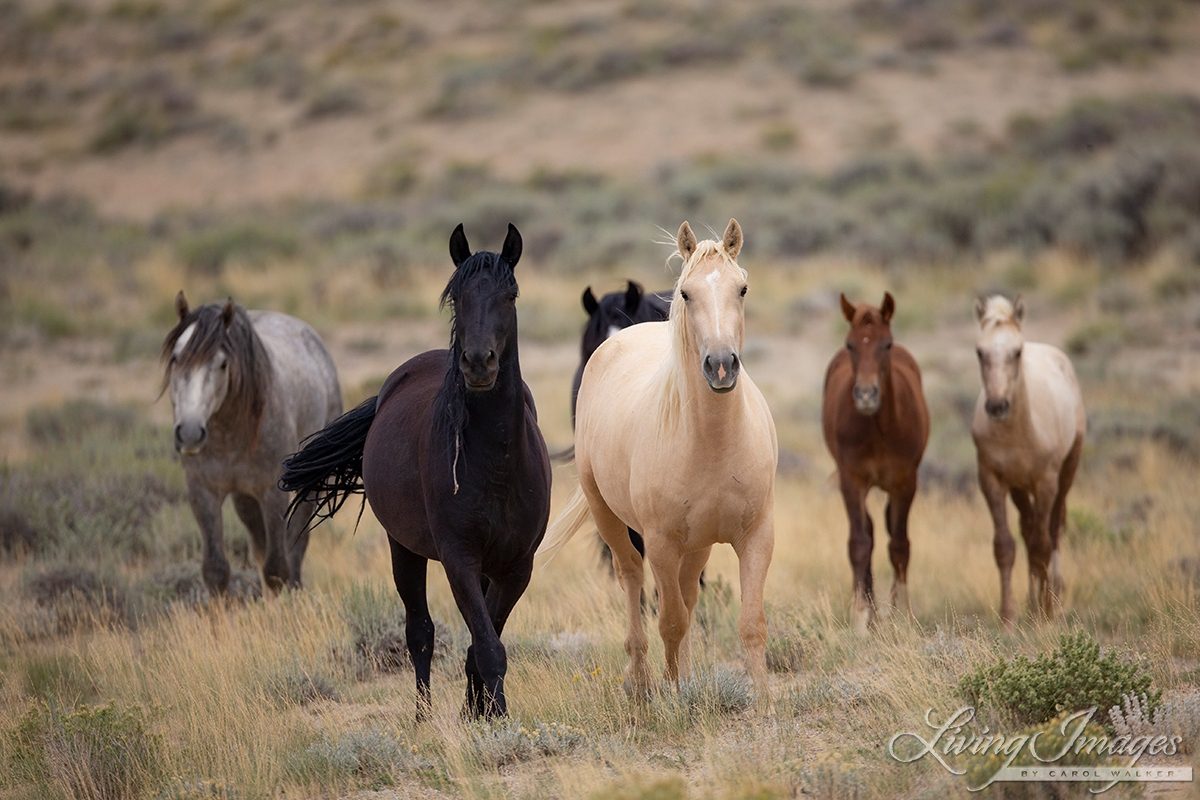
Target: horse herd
[{"x": 675, "y": 447}]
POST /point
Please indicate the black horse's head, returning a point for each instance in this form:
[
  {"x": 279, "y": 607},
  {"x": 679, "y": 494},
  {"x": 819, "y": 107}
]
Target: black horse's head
[
  {"x": 616, "y": 311},
  {"x": 483, "y": 294}
]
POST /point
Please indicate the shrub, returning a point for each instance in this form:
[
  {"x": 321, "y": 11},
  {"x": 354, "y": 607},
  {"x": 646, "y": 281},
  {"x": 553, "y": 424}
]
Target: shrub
[
  {"x": 375, "y": 618},
  {"x": 208, "y": 252},
  {"x": 60, "y": 678},
  {"x": 98, "y": 753},
  {"x": 296, "y": 686},
  {"x": 372, "y": 756},
  {"x": 1050, "y": 740},
  {"x": 1177, "y": 715},
  {"x": 721, "y": 691},
  {"x": 1074, "y": 676},
  {"x": 657, "y": 788},
  {"x": 68, "y": 423},
  {"x": 495, "y": 744}
]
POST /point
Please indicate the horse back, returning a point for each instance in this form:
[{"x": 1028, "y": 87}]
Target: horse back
[{"x": 305, "y": 393}]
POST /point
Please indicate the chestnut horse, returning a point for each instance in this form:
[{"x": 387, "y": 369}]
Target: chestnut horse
[
  {"x": 876, "y": 426},
  {"x": 674, "y": 440},
  {"x": 1029, "y": 427}
]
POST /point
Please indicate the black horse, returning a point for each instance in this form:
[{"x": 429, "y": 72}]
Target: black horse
[
  {"x": 450, "y": 457},
  {"x": 613, "y": 312}
]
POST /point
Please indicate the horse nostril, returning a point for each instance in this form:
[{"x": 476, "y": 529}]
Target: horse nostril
[
  {"x": 733, "y": 358},
  {"x": 491, "y": 358},
  {"x": 708, "y": 363}
]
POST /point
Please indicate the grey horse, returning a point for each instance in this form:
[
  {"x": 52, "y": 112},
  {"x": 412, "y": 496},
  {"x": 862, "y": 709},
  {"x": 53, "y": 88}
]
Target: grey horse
[{"x": 246, "y": 387}]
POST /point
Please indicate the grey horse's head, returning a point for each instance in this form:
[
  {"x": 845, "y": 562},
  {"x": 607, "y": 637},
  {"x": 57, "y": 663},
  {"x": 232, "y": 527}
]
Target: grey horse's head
[{"x": 215, "y": 364}]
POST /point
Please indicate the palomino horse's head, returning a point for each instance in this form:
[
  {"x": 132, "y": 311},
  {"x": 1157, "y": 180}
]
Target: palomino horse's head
[
  {"x": 709, "y": 308},
  {"x": 999, "y": 347},
  {"x": 483, "y": 293},
  {"x": 213, "y": 360},
  {"x": 869, "y": 344}
]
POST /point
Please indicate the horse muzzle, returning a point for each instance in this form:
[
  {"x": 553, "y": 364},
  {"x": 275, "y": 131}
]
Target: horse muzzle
[
  {"x": 479, "y": 370},
  {"x": 866, "y": 400},
  {"x": 190, "y": 438},
  {"x": 997, "y": 409},
  {"x": 721, "y": 371}
]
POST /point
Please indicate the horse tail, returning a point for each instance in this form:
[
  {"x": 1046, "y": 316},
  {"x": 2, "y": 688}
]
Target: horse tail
[
  {"x": 565, "y": 525},
  {"x": 327, "y": 470},
  {"x": 564, "y": 456}
]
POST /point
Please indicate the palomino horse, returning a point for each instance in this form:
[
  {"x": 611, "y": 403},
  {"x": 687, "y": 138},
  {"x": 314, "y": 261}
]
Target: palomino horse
[
  {"x": 1029, "y": 427},
  {"x": 876, "y": 426},
  {"x": 669, "y": 441},
  {"x": 246, "y": 388},
  {"x": 451, "y": 459}
]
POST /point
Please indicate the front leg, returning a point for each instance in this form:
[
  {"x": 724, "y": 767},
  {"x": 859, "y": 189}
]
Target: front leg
[
  {"x": 862, "y": 542},
  {"x": 754, "y": 558},
  {"x": 1042, "y": 598},
  {"x": 487, "y": 661},
  {"x": 673, "y": 617},
  {"x": 206, "y": 507},
  {"x": 1003, "y": 547}
]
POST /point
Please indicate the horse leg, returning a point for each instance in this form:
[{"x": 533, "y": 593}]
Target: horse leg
[
  {"x": 486, "y": 659},
  {"x": 1003, "y": 547},
  {"x": 862, "y": 542},
  {"x": 754, "y": 557},
  {"x": 250, "y": 514},
  {"x": 628, "y": 563},
  {"x": 690, "y": 570},
  {"x": 1041, "y": 595},
  {"x": 206, "y": 506},
  {"x": 275, "y": 571},
  {"x": 501, "y": 596},
  {"x": 896, "y": 514},
  {"x": 1058, "y": 516},
  {"x": 409, "y": 571},
  {"x": 665, "y": 562},
  {"x": 297, "y": 533}
]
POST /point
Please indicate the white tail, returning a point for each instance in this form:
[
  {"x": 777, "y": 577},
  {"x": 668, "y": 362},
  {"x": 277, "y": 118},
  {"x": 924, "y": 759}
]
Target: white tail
[{"x": 564, "y": 526}]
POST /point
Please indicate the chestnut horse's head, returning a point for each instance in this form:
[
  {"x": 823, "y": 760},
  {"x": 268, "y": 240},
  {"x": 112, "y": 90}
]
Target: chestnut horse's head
[
  {"x": 869, "y": 344},
  {"x": 998, "y": 348}
]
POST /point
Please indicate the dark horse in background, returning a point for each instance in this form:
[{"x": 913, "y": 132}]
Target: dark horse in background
[
  {"x": 607, "y": 316},
  {"x": 614, "y": 312},
  {"x": 876, "y": 426},
  {"x": 451, "y": 459}
]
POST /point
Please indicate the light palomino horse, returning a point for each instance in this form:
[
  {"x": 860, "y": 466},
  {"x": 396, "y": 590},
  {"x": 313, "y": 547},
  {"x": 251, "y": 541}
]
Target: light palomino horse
[
  {"x": 674, "y": 440},
  {"x": 1029, "y": 427},
  {"x": 246, "y": 387}
]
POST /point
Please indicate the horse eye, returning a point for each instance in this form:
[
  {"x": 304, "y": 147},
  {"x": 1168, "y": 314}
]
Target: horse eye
[
  {"x": 224, "y": 365},
  {"x": 744, "y": 290},
  {"x": 684, "y": 295},
  {"x": 850, "y": 346},
  {"x": 887, "y": 346},
  {"x": 1017, "y": 355},
  {"x": 979, "y": 353}
]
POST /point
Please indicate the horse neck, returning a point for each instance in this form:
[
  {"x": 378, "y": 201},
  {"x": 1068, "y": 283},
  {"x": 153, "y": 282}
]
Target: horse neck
[
  {"x": 502, "y": 410},
  {"x": 889, "y": 411}
]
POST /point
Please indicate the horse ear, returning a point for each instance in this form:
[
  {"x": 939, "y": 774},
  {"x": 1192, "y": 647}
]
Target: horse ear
[
  {"x": 732, "y": 240},
  {"x": 181, "y": 305},
  {"x": 1019, "y": 309},
  {"x": 511, "y": 252},
  {"x": 227, "y": 312},
  {"x": 460, "y": 251},
  {"x": 847, "y": 309},
  {"x": 685, "y": 240},
  {"x": 888, "y": 308},
  {"x": 633, "y": 297},
  {"x": 980, "y": 307},
  {"x": 590, "y": 304}
]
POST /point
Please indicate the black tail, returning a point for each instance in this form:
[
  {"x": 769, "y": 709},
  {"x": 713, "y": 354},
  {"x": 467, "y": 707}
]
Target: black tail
[{"x": 328, "y": 468}]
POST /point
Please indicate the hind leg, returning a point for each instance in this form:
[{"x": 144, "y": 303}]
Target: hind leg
[
  {"x": 249, "y": 512},
  {"x": 896, "y": 514},
  {"x": 1037, "y": 545},
  {"x": 275, "y": 571},
  {"x": 690, "y": 570},
  {"x": 296, "y": 544},
  {"x": 409, "y": 572}
]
